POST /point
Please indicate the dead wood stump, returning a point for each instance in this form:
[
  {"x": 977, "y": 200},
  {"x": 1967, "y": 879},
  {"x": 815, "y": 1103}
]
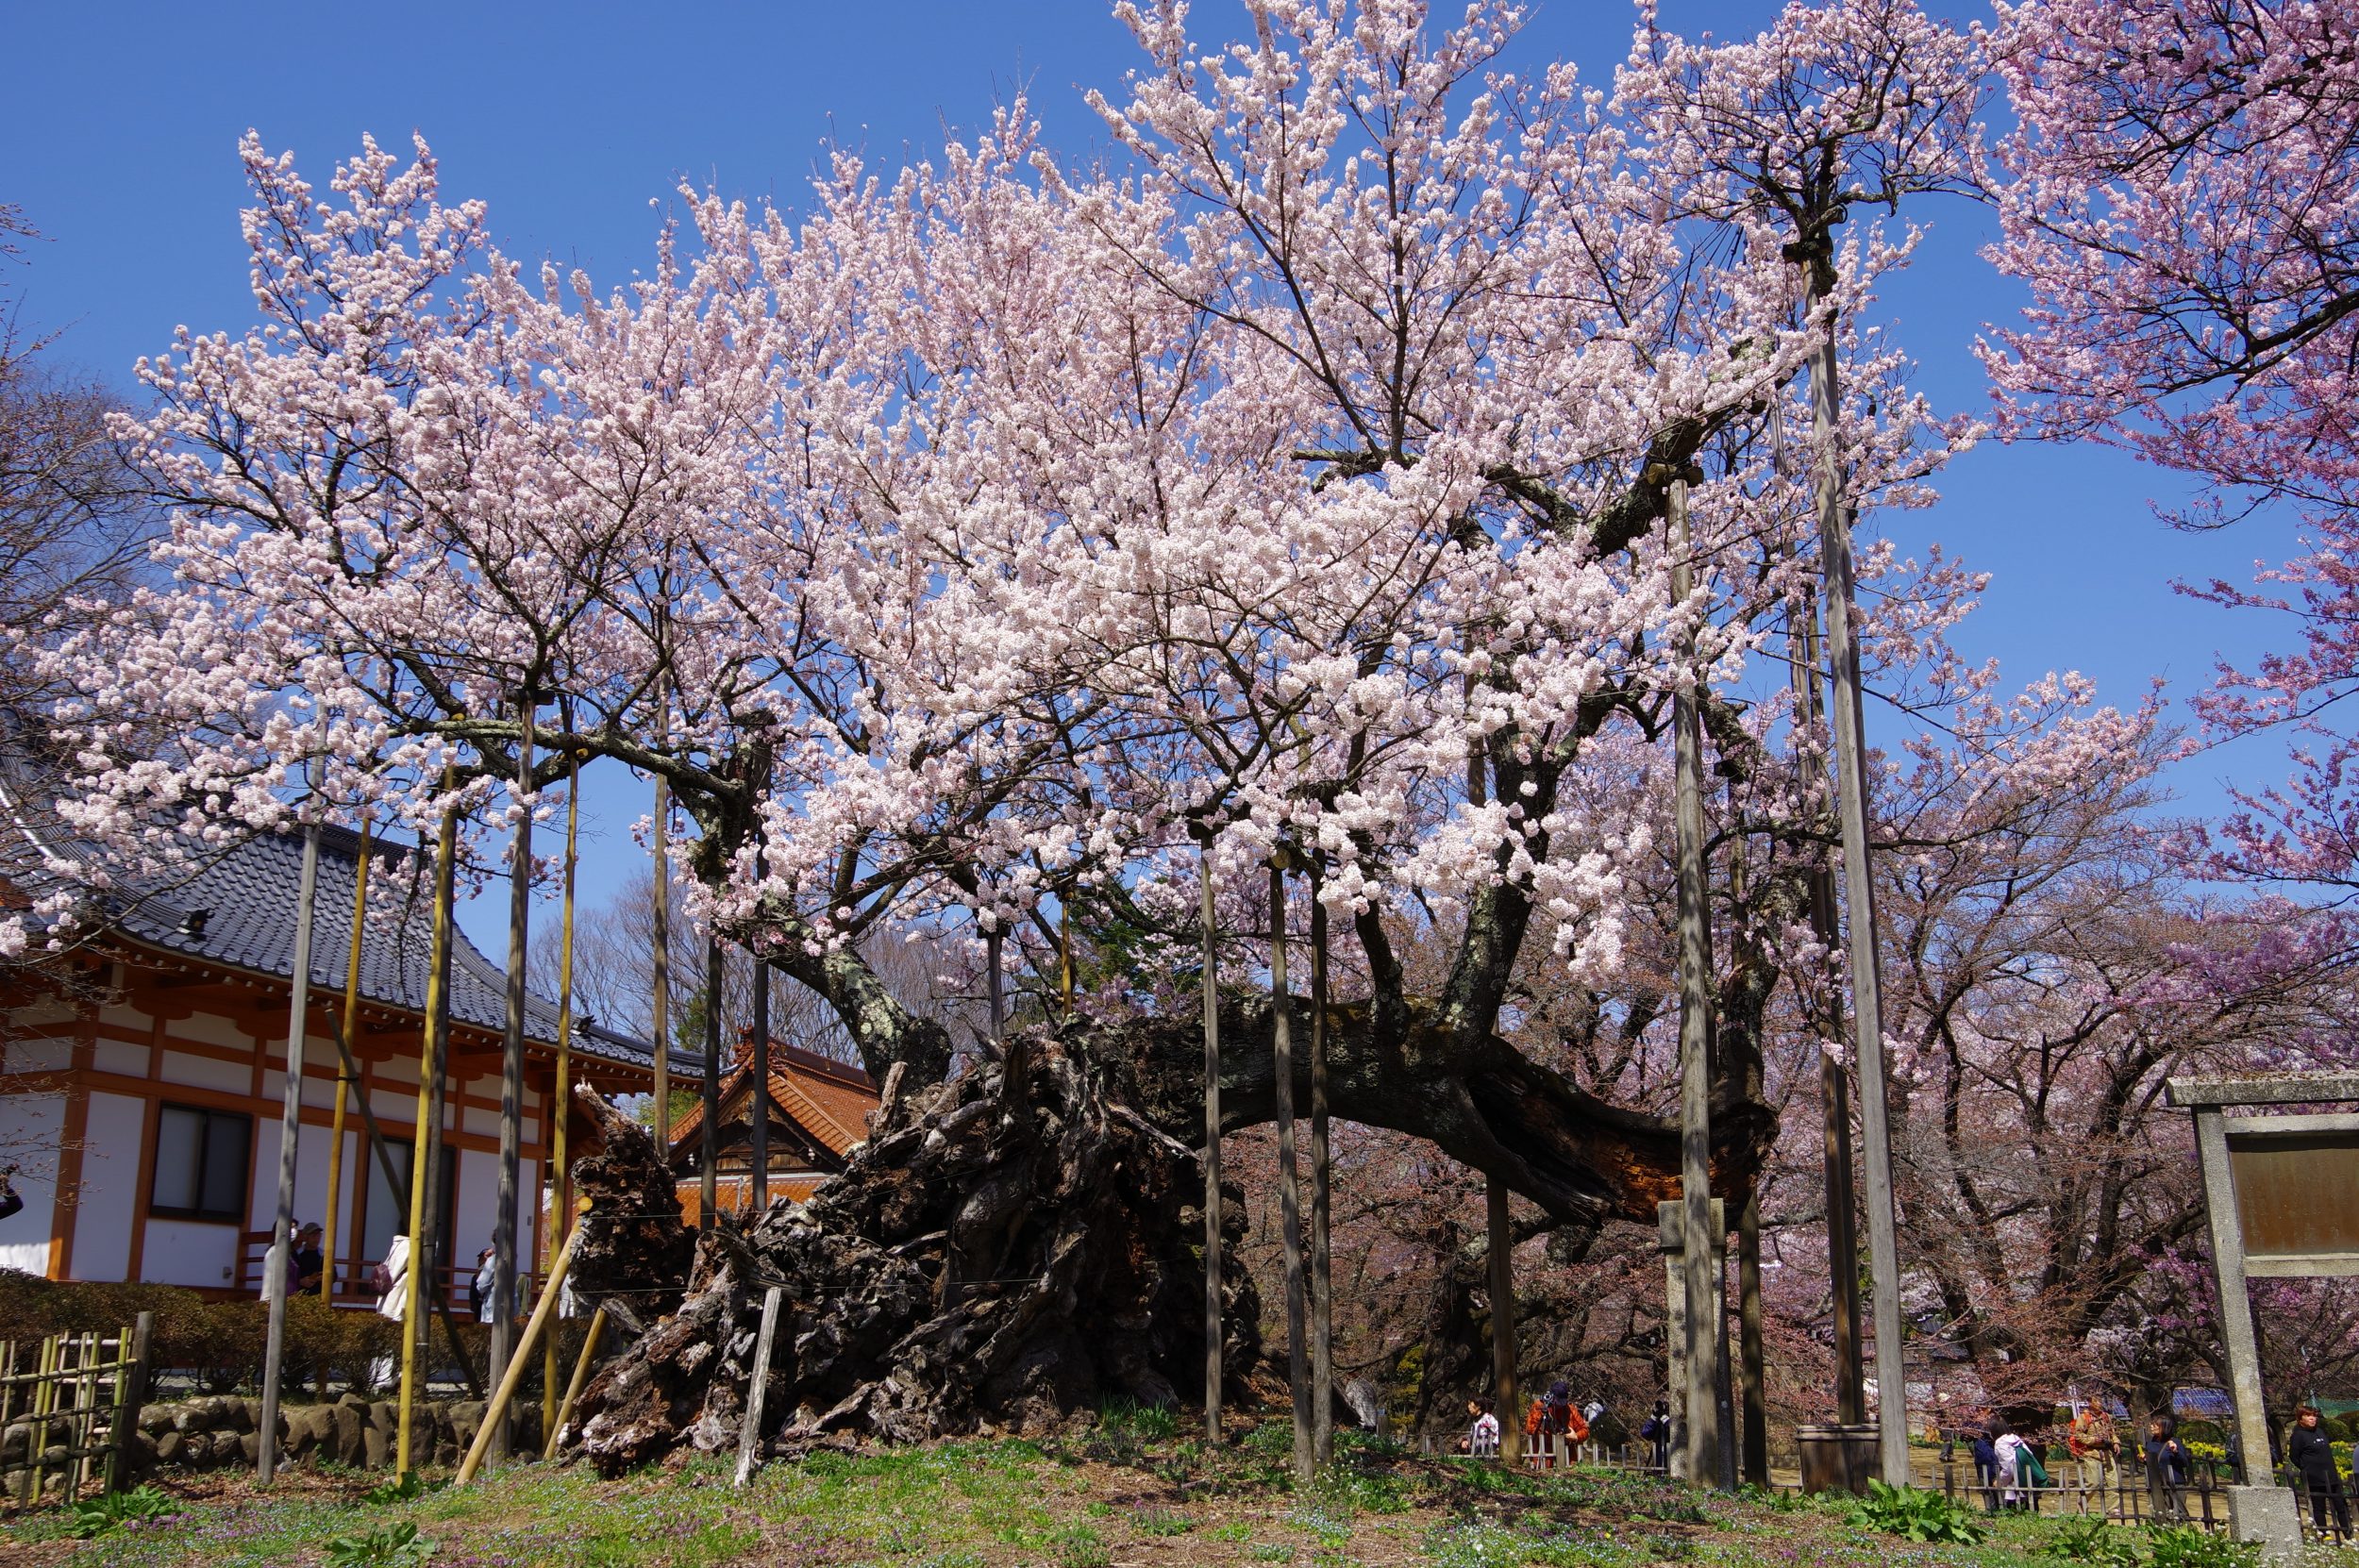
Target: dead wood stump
[{"x": 1007, "y": 1249}]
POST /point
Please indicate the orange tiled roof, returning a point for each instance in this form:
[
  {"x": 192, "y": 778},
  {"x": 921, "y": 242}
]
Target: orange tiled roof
[{"x": 829, "y": 1100}]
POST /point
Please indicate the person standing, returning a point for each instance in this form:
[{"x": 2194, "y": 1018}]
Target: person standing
[
  {"x": 2093, "y": 1445},
  {"x": 1656, "y": 1433},
  {"x": 1986, "y": 1466},
  {"x": 2310, "y": 1452},
  {"x": 391, "y": 1280},
  {"x": 1482, "y": 1438},
  {"x": 308, "y": 1263},
  {"x": 481, "y": 1293},
  {"x": 2010, "y": 1448},
  {"x": 2165, "y": 1469}
]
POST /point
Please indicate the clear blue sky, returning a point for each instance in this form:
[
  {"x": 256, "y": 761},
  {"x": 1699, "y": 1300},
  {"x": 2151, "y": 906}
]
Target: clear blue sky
[{"x": 118, "y": 138}]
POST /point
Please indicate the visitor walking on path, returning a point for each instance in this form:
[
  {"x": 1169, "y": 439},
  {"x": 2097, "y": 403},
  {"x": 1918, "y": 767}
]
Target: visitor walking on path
[
  {"x": 2165, "y": 1469},
  {"x": 2311, "y": 1451}
]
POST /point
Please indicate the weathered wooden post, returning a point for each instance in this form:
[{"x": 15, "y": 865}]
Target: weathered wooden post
[
  {"x": 2276, "y": 1191},
  {"x": 1835, "y": 521},
  {"x": 1289, "y": 1181},
  {"x": 1322, "y": 1174},
  {"x": 349, "y": 1029},
  {"x": 758, "y": 1388},
  {"x": 132, "y": 1398},
  {"x": 276, "y": 1284},
  {"x": 505, "y": 1216},
  {"x": 422, "y": 1153},
  {"x": 1701, "y": 1352},
  {"x": 1681, "y": 1330},
  {"x": 1211, "y": 1148},
  {"x": 1501, "y": 1241},
  {"x": 561, "y": 1220}
]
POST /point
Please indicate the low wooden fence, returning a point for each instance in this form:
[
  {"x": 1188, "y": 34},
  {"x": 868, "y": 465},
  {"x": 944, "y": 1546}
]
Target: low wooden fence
[{"x": 75, "y": 1398}]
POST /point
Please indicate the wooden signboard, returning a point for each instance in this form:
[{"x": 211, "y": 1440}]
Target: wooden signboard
[{"x": 2297, "y": 1185}]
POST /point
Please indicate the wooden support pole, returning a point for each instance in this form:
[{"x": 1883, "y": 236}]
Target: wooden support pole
[
  {"x": 582, "y": 1363},
  {"x": 1211, "y": 1150},
  {"x": 1850, "y": 1399},
  {"x": 758, "y": 1108},
  {"x": 1289, "y": 1178},
  {"x": 495, "y": 1415},
  {"x": 1501, "y": 1240},
  {"x": 709, "y": 1157},
  {"x": 132, "y": 1398},
  {"x": 1859, "y": 893},
  {"x": 277, "y": 1284},
  {"x": 995, "y": 982},
  {"x": 1702, "y": 1328},
  {"x": 561, "y": 1221},
  {"x": 660, "y": 978},
  {"x": 505, "y": 1216},
  {"x": 1322, "y": 1171},
  {"x": 758, "y": 1388},
  {"x": 349, "y": 1028},
  {"x": 1750, "y": 1356},
  {"x": 422, "y": 1147}
]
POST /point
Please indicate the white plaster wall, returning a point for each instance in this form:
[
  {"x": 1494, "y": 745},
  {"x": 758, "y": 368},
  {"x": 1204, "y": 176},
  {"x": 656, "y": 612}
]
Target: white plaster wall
[
  {"x": 108, "y": 1202},
  {"x": 205, "y": 1073},
  {"x": 189, "y": 1252},
  {"x": 29, "y": 1130},
  {"x": 212, "y": 1029},
  {"x": 115, "y": 1056},
  {"x": 124, "y": 1018},
  {"x": 37, "y": 1053},
  {"x": 479, "y": 1199}
]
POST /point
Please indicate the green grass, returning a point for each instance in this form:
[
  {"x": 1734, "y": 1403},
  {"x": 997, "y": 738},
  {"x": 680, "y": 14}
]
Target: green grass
[{"x": 1018, "y": 1505}]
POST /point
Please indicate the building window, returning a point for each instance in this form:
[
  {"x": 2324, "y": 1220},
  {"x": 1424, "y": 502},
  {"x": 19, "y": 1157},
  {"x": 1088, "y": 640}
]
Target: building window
[{"x": 202, "y": 1162}]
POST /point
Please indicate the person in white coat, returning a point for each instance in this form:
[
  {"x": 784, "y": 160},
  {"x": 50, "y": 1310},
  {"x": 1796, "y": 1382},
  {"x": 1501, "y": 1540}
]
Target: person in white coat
[{"x": 392, "y": 1279}]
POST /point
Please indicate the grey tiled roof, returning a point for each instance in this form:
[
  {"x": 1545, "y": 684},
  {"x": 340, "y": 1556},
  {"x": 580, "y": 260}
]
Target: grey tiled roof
[{"x": 238, "y": 910}]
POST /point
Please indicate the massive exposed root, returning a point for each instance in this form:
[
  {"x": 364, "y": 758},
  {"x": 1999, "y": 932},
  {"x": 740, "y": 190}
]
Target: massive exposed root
[{"x": 1006, "y": 1250}]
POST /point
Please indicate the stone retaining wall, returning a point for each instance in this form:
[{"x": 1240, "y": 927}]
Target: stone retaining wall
[{"x": 222, "y": 1431}]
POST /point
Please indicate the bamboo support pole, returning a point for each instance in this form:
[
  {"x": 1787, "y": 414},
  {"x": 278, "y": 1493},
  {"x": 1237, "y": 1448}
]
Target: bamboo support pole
[
  {"x": 495, "y": 1413},
  {"x": 561, "y": 1179},
  {"x": 277, "y": 1284},
  {"x": 574, "y": 1386},
  {"x": 420, "y": 1158},
  {"x": 350, "y": 1030}
]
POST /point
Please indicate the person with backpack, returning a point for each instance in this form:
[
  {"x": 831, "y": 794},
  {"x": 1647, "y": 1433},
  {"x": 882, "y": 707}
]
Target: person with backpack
[
  {"x": 2165, "y": 1469},
  {"x": 2311, "y": 1451},
  {"x": 11, "y": 1201},
  {"x": 2091, "y": 1442},
  {"x": 1554, "y": 1426}
]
